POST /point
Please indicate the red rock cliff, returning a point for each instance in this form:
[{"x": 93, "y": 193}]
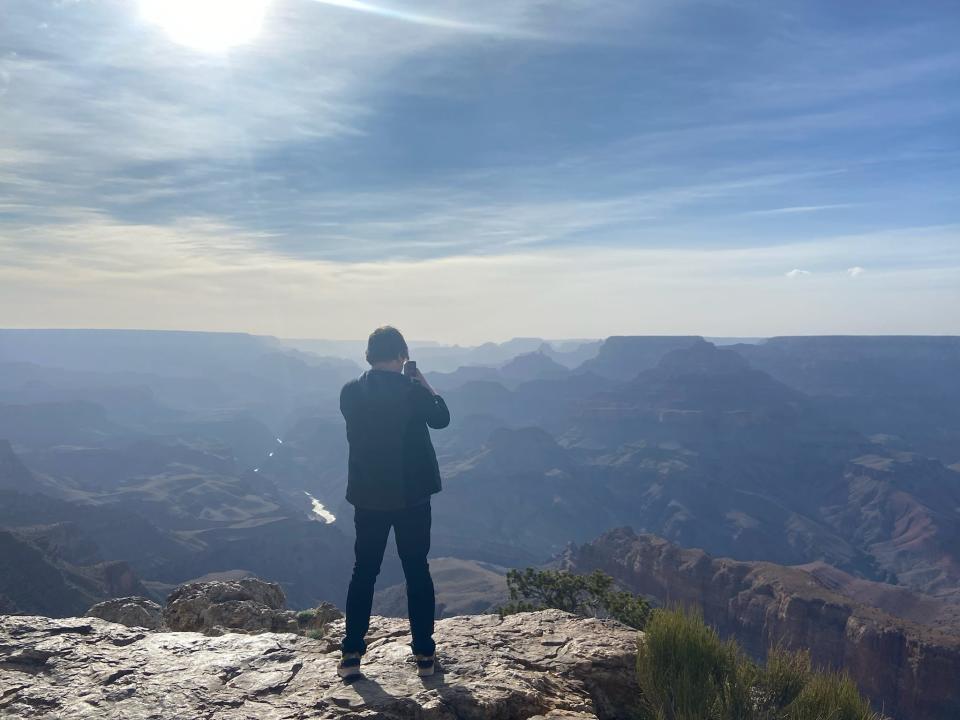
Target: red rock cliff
[{"x": 911, "y": 670}]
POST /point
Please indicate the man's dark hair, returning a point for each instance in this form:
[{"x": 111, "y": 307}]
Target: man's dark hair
[{"x": 385, "y": 344}]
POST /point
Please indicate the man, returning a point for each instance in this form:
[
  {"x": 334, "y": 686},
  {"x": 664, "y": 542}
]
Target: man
[{"x": 392, "y": 473}]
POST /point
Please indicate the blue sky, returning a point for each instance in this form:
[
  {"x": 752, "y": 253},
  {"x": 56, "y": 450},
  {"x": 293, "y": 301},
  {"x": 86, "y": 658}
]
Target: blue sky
[{"x": 474, "y": 171}]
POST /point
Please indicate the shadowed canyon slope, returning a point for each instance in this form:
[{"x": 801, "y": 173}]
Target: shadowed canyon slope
[
  {"x": 706, "y": 451},
  {"x": 171, "y": 457}
]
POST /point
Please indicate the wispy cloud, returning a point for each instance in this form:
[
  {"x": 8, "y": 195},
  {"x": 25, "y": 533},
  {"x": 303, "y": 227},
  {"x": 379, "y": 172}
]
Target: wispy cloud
[
  {"x": 797, "y": 273},
  {"x": 424, "y": 222},
  {"x": 855, "y": 271},
  {"x": 435, "y": 21},
  {"x": 797, "y": 209}
]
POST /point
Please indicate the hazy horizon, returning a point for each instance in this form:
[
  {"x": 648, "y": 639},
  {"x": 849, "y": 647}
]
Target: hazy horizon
[{"x": 498, "y": 340}]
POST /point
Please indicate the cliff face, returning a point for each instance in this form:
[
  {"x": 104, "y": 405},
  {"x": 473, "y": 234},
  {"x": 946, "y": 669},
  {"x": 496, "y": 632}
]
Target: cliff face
[
  {"x": 908, "y": 669},
  {"x": 13, "y": 473},
  {"x": 534, "y": 665},
  {"x": 34, "y": 577}
]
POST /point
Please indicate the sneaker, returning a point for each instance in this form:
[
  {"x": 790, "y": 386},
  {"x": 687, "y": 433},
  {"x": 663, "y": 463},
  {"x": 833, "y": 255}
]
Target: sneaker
[
  {"x": 425, "y": 665},
  {"x": 349, "y": 666}
]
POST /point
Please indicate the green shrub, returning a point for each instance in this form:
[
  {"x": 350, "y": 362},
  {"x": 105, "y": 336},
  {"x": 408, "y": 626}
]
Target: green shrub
[
  {"x": 686, "y": 672},
  {"x": 591, "y": 595},
  {"x": 312, "y": 623},
  {"x": 632, "y": 610},
  {"x": 829, "y": 696},
  {"x": 683, "y": 667},
  {"x": 783, "y": 677},
  {"x": 305, "y": 616}
]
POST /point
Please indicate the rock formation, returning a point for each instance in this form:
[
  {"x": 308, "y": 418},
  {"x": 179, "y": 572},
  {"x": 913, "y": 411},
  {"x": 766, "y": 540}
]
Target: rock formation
[
  {"x": 535, "y": 665},
  {"x": 622, "y": 357},
  {"x": 215, "y": 607},
  {"x": 907, "y": 664},
  {"x": 34, "y": 579},
  {"x": 130, "y": 611},
  {"x": 13, "y": 473},
  {"x": 248, "y": 605}
]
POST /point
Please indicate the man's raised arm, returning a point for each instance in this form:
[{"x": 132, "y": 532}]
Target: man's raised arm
[{"x": 431, "y": 405}]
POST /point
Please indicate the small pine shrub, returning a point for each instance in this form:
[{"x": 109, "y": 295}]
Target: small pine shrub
[
  {"x": 626, "y": 607},
  {"x": 591, "y": 595},
  {"x": 315, "y": 634}
]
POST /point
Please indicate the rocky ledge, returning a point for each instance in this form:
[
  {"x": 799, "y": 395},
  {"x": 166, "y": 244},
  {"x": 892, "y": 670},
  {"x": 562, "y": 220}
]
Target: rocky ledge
[{"x": 532, "y": 665}]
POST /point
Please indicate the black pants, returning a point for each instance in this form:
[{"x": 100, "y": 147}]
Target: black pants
[{"x": 411, "y": 528}]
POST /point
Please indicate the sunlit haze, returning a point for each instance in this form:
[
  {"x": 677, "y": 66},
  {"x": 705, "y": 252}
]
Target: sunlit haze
[
  {"x": 209, "y": 25},
  {"x": 477, "y": 171}
]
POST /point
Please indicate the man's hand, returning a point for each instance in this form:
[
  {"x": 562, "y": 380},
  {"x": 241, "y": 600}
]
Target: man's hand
[{"x": 423, "y": 381}]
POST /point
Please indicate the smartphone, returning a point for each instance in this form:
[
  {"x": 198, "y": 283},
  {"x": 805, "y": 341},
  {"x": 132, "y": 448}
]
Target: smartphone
[{"x": 410, "y": 368}]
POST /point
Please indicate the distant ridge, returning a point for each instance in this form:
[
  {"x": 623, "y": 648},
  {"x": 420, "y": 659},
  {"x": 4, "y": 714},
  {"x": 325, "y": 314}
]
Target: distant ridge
[{"x": 622, "y": 357}]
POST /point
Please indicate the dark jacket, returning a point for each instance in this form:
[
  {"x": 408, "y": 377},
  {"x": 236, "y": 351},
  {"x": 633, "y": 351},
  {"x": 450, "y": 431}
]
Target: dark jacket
[{"x": 392, "y": 461}]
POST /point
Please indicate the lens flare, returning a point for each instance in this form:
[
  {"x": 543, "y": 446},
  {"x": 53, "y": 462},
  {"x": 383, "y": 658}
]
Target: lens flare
[{"x": 207, "y": 25}]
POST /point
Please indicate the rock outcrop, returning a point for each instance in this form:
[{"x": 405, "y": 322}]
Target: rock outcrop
[
  {"x": 247, "y": 605},
  {"x": 317, "y": 619},
  {"x": 622, "y": 357},
  {"x": 214, "y": 607},
  {"x": 908, "y": 664},
  {"x": 535, "y": 665},
  {"x": 130, "y": 611}
]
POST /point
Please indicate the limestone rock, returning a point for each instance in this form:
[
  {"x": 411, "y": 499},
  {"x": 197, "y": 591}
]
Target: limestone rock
[
  {"x": 318, "y": 618},
  {"x": 534, "y": 665},
  {"x": 248, "y": 605},
  {"x": 129, "y": 611}
]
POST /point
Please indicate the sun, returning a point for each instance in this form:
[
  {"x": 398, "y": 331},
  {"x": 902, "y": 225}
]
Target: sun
[{"x": 207, "y": 25}]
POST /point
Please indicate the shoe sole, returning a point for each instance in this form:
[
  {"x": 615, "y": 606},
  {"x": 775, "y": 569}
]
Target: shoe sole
[{"x": 349, "y": 673}]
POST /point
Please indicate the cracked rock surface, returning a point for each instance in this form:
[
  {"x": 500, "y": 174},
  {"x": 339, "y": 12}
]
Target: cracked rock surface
[{"x": 533, "y": 665}]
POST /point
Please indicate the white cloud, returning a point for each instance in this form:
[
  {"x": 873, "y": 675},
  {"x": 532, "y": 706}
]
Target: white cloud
[
  {"x": 796, "y": 273},
  {"x": 422, "y": 221},
  {"x": 445, "y": 23},
  {"x": 855, "y": 271},
  {"x": 795, "y": 209}
]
